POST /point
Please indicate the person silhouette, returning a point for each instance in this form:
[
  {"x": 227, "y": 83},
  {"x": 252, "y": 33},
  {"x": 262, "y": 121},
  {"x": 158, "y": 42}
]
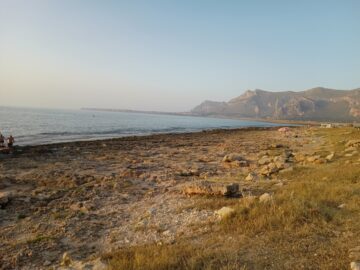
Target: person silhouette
[
  {"x": 11, "y": 141},
  {"x": 2, "y": 140}
]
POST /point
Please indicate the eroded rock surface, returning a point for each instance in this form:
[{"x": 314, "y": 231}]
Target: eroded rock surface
[{"x": 87, "y": 198}]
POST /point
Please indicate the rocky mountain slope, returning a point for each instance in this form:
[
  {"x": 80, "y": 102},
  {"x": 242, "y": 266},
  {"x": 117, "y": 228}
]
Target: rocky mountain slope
[{"x": 318, "y": 104}]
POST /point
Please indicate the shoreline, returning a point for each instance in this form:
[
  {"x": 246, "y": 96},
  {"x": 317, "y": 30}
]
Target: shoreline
[{"x": 151, "y": 135}]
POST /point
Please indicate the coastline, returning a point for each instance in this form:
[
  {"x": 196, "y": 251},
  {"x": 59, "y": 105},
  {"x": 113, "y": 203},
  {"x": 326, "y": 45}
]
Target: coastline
[
  {"x": 98, "y": 200},
  {"x": 266, "y": 120},
  {"x": 151, "y": 135}
]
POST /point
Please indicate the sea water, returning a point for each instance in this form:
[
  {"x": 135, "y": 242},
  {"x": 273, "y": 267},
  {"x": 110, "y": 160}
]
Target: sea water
[{"x": 43, "y": 126}]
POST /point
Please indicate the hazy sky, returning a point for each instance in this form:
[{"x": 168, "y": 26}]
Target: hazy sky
[{"x": 171, "y": 55}]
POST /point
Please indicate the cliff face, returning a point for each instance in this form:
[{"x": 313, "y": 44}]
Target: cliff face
[{"x": 318, "y": 104}]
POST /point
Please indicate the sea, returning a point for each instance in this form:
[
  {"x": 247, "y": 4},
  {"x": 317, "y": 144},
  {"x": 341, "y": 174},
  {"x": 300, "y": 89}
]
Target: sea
[{"x": 32, "y": 126}]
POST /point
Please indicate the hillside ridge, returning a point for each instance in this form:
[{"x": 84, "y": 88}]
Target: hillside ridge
[{"x": 315, "y": 104}]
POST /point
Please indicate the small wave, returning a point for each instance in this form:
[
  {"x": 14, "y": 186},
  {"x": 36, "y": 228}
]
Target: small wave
[{"x": 114, "y": 131}]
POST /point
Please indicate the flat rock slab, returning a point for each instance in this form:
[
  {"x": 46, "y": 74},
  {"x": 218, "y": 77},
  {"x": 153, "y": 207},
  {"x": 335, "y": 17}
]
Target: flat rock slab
[
  {"x": 354, "y": 143},
  {"x": 211, "y": 188}
]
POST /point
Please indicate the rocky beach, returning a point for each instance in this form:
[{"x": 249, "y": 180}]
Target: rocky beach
[{"x": 76, "y": 205}]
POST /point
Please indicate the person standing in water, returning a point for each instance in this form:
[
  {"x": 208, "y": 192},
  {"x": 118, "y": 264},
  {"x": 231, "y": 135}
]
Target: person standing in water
[{"x": 11, "y": 141}]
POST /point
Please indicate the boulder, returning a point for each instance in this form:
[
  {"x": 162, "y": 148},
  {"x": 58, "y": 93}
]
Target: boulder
[
  {"x": 225, "y": 212},
  {"x": 211, "y": 188},
  {"x": 265, "y": 198},
  {"x": 232, "y": 157}
]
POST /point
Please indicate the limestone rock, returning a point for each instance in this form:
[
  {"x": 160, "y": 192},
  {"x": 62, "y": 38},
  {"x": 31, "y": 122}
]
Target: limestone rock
[
  {"x": 264, "y": 160},
  {"x": 252, "y": 177},
  {"x": 313, "y": 158},
  {"x": 355, "y": 143},
  {"x": 95, "y": 265},
  {"x": 69, "y": 264},
  {"x": 330, "y": 156},
  {"x": 225, "y": 212},
  {"x": 355, "y": 265},
  {"x": 232, "y": 157},
  {"x": 66, "y": 259},
  {"x": 265, "y": 198},
  {"x": 79, "y": 206},
  {"x": 240, "y": 163},
  {"x": 269, "y": 169},
  {"x": 299, "y": 157},
  {"x": 211, "y": 188}
]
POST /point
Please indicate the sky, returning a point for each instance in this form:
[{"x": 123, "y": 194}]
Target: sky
[{"x": 171, "y": 55}]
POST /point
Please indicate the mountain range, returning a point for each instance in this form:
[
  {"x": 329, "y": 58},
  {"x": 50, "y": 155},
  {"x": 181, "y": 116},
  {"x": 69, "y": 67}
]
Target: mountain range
[{"x": 316, "y": 104}]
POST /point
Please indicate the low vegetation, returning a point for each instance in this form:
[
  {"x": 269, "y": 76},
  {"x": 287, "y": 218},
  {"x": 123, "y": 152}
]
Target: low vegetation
[{"x": 310, "y": 223}]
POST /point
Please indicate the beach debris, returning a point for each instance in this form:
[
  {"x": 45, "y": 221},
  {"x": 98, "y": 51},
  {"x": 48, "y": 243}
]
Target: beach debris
[
  {"x": 211, "y": 188},
  {"x": 225, "y": 212}
]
